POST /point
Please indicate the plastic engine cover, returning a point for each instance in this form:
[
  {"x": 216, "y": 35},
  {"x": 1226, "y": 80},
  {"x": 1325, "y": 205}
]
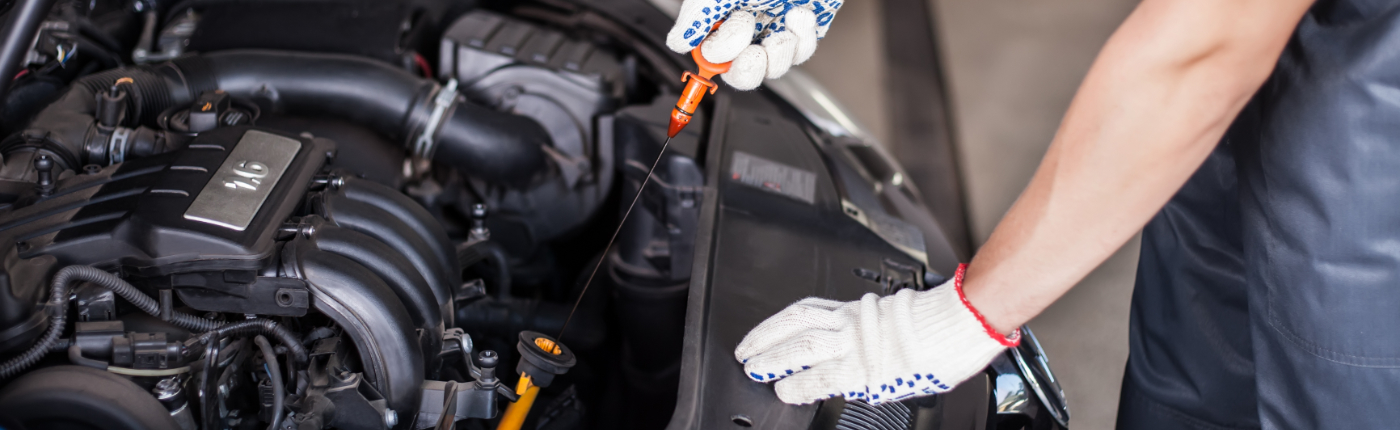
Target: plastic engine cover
[{"x": 215, "y": 205}]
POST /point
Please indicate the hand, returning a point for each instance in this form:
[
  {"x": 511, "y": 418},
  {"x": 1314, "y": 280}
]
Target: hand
[
  {"x": 877, "y": 349},
  {"x": 764, "y": 38}
]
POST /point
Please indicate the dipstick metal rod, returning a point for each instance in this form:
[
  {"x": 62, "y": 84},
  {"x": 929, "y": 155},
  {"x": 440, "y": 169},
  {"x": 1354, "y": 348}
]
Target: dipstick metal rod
[
  {"x": 621, "y": 223},
  {"x": 697, "y": 84}
]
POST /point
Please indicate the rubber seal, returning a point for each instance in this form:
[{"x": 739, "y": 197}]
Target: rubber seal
[{"x": 541, "y": 365}]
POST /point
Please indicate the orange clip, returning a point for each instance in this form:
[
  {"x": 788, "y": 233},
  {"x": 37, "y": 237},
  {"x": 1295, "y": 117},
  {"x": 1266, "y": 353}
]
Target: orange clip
[{"x": 703, "y": 81}]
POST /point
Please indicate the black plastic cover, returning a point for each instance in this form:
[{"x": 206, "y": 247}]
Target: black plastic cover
[
  {"x": 130, "y": 217},
  {"x": 483, "y": 41},
  {"x": 763, "y": 244},
  {"x": 224, "y": 292}
]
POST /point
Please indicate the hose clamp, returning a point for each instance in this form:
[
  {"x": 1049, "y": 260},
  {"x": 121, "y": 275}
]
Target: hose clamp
[
  {"x": 426, "y": 143},
  {"x": 116, "y": 146}
]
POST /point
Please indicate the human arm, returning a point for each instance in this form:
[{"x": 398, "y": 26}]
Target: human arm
[{"x": 1153, "y": 106}]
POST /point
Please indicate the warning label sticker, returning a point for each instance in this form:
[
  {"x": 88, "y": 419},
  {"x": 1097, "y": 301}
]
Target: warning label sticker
[{"x": 775, "y": 177}]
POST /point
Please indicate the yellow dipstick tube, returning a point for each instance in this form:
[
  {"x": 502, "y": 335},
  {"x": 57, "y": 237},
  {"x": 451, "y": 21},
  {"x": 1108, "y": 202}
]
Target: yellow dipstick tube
[{"x": 516, "y": 412}]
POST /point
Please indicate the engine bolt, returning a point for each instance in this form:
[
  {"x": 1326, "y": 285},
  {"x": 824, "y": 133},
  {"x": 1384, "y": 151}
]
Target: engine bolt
[
  {"x": 295, "y": 227},
  {"x": 488, "y": 360},
  {"x": 479, "y": 231},
  {"x": 43, "y": 168},
  {"x": 332, "y": 182},
  {"x": 391, "y": 418}
]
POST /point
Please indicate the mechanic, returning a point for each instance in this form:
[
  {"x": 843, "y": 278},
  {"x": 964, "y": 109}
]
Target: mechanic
[{"x": 1265, "y": 137}]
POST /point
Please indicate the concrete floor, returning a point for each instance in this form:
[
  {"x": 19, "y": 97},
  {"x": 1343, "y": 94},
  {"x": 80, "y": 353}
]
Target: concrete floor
[{"x": 1012, "y": 67}]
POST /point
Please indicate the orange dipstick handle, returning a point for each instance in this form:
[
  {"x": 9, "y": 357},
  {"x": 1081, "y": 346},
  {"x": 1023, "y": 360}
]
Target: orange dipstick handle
[{"x": 694, "y": 91}]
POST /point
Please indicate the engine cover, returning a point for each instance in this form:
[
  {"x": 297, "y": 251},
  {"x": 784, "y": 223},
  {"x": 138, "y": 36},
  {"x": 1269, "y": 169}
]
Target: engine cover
[{"x": 213, "y": 206}]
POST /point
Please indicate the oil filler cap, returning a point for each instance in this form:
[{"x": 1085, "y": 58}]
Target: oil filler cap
[{"x": 542, "y": 357}]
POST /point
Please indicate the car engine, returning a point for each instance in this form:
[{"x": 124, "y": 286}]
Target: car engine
[{"x": 353, "y": 214}]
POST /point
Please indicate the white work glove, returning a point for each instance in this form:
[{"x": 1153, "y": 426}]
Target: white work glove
[
  {"x": 877, "y": 349},
  {"x": 762, "y": 37}
]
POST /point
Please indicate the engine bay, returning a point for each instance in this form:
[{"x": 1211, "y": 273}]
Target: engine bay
[{"x": 307, "y": 214}]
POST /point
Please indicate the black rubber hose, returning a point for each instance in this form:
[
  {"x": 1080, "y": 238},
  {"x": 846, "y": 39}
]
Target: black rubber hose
[
  {"x": 364, "y": 91},
  {"x": 264, "y": 327},
  {"x": 207, "y": 384},
  {"x": 143, "y": 302},
  {"x": 492, "y": 145},
  {"x": 98, "y": 36},
  {"x": 66, "y": 123},
  {"x": 58, "y": 309},
  {"x": 498, "y": 147},
  {"x": 495, "y": 146},
  {"x": 279, "y": 392},
  {"x": 89, "y": 47},
  {"x": 21, "y": 23},
  {"x": 302, "y": 383},
  {"x": 495, "y": 255},
  {"x": 75, "y": 355}
]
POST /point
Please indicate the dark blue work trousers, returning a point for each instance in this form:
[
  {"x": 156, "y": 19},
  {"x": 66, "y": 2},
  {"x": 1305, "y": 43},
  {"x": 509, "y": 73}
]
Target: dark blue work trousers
[{"x": 1268, "y": 291}]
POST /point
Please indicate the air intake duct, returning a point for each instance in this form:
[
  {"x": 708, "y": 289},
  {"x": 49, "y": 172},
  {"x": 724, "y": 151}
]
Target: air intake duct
[{"x": 433, "y": 121}]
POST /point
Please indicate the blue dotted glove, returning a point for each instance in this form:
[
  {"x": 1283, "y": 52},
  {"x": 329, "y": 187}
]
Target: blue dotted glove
[
  {"x": 876, "y": 349},
  {"x": 763, "y": 38}
]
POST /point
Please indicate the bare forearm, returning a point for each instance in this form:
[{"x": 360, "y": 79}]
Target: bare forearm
[{"x": 1155, "y": 103}]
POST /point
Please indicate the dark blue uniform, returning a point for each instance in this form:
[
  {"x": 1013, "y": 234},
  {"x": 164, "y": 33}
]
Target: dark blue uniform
[{"x": 1268, "y": 291}]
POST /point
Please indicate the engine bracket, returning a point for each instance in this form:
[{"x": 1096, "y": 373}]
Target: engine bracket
[{"x": 242, "y": 292}]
